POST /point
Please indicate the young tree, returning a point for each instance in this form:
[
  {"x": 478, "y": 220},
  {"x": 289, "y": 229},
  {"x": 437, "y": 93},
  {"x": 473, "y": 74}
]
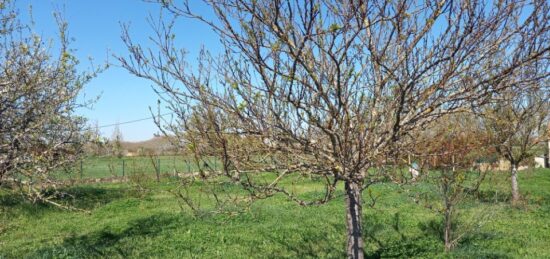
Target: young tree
[
  {"x": 328, "y": 88},
  {"x": 95, "y": 146},
  {"x": 116, "y": 142},
  {"x": 516, "y": 124},
  {"x": 39, "y": 131},
  {"x": 451, "y": 148}
]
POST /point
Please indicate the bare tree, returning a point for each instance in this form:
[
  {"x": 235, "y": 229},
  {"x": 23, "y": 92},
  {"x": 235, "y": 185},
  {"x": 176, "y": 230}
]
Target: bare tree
[
  {"x": 39, "y": 131},
  {"x": 516, "y": 123},
  {"x": 452, "y": 146},
  {"x": 329, "y": 88}
]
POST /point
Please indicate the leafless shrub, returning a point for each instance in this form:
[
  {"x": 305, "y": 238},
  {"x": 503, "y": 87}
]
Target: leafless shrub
[
  {"x": 211, "y": 195},
  {"x": 139, "y": 178}
]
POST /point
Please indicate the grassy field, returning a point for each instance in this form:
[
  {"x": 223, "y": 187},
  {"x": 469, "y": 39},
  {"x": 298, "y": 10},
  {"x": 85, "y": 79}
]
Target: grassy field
[
  {"x": 101, "y": 167},
  {"x": 125, "y": 221}
]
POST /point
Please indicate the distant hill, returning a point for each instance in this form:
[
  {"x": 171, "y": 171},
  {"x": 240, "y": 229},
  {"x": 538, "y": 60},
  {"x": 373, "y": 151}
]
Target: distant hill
[{"x": 158, "y": 145}]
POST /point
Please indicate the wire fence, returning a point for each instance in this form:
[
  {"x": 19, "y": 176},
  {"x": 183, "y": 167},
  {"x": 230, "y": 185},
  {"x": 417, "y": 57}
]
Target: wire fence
[{"x": 156, "y": 166}]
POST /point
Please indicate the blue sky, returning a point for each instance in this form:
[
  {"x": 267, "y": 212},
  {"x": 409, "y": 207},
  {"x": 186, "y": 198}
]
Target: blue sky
[{"x": 95, "y": 26}]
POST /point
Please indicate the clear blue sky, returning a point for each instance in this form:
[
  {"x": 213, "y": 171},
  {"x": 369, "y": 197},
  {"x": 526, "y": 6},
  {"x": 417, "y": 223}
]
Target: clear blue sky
[{"x": 95, "y": 26}]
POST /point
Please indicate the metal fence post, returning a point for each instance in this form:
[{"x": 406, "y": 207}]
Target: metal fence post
[
  {"x": 81, "y": 169},
  {"x": 123, "y": 167}
]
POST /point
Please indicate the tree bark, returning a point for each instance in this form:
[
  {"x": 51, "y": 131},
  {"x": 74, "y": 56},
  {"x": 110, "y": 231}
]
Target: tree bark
[
  {"x": 515, "y": 188},
  {"x": 355, "y": 242},
  {"x": 546, "y": 156},
  {"x": 448, "y": 234}
]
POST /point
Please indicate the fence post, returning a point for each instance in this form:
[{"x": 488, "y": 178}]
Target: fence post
[
  {"x": 81, "y": 170},
  {"x": 175, "y": 168},
  {"x": 123, "y": 167},
  {"x": 158, "y": 170}
]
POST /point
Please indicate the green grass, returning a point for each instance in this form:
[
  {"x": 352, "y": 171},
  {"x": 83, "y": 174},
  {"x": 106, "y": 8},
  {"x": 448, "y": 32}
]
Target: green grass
[
  {"x": 102, "y": 167},
  {"x": 124, "y": 222}
]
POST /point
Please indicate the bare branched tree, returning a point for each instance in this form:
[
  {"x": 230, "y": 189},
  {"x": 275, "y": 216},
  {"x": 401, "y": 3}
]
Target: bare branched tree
[
  {"x": 39, "y": 131},
  {"x": 454, "y": 145},
  {"x": 516, "y": 123},
  {"x": 330, "y": 88}
]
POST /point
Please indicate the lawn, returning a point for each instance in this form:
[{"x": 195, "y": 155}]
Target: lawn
[{"x": 126, "y": 221}]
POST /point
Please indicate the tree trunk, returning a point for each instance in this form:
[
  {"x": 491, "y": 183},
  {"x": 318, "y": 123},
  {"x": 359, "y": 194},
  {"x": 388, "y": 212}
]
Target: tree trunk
[
  {"x": 515, "y": 188},
  {"x": 547, "y": 155},
  {"x": 448, "y": 233},
  {"x": 353, "y": 220}
]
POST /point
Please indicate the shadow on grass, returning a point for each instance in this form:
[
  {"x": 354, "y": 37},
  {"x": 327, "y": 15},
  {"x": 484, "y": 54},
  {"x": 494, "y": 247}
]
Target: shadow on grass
[
  {"x": 311, "y": 243},
  {"x": 391, "y": 240},
  {"x": 82, "y": 197},
  {"x": 89, "y": 197},
  {"x": 492, "y": 196},
  {"x": 314, "y": 242},
  {"x": 467, "y": 245},
  {"x": 110, "y": 243}
]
